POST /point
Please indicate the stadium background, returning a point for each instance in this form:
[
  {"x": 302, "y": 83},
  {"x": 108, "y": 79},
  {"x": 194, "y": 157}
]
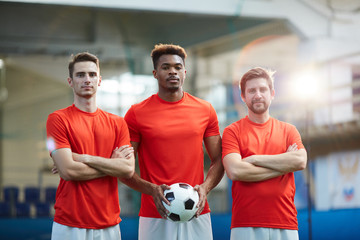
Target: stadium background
[{"x": 312, "y": 44}]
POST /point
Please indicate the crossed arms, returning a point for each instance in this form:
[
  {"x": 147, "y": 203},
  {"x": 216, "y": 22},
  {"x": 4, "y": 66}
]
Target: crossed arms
[
  {"x": 257, "y": 168},
  {"x": 80, "y": 167}
]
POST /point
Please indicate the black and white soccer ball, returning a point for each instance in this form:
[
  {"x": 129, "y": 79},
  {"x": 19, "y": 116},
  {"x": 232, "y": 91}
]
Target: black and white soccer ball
[{"x": 183, "y": 200}]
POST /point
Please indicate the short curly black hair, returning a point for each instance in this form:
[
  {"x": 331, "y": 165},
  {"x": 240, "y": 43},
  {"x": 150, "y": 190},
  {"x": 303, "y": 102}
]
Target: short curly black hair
[{"x": 161, "y": 49}]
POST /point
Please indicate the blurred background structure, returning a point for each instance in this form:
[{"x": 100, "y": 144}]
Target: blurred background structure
[{"x": 312, "y": 44}]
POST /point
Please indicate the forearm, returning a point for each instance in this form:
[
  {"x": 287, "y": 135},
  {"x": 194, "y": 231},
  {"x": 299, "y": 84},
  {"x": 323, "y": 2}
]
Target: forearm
[
  {"x": 136, "y": 182},
  {"x": 285, "y": 162},
  {"x": 71, "y": 170},
  {"x": 117, "y": 167},
  {"x": 214, "y": 175},
  {"x": 81, "y": 172},
  {"x": 250, "y": 173},
  {"x": 239, "y": 170},
  {"x": 139, "y": 184},
  {"x": 216, "y": 170},
  {"x": 156, "y": 191}
]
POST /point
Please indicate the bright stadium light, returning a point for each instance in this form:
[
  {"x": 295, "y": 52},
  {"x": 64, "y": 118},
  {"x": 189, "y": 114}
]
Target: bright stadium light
[{"x": 306, "y": 85}]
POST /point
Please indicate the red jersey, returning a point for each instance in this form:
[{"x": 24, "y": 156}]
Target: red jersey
[
  {"x": 170, "y": 137},
  {"x": 268, "y": 203},
  {"x": 93, "y": 203}
]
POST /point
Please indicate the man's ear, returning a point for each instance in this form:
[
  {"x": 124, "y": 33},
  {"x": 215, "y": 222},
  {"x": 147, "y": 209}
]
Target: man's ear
[
  {"x": 272, "y": 94},
  {"x": 155, "y": 73},
  {"x": 70, "y": 81},
  {"x": 99, "y": 81},
  {"x": 242, "y": 97}
]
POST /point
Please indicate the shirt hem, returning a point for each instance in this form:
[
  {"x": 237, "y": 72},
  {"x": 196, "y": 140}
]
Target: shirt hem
[
  {"x": 87, "y": 226},
  {"x": 158, "y": 216},
  {"x": 265, "y": 226}
]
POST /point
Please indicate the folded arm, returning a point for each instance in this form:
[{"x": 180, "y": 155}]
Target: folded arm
[
  {"x": 289, "y": 161},
  {"x": 262, "y": 167},
  {"x": 239, "y": 170},
  {"x": 79, "y": 167},
  {"x": 121, "y": 164},
  {"x": 69, "y": 169}
]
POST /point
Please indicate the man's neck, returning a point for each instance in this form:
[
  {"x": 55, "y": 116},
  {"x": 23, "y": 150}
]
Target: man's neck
[
  {"x": 86, "y": 104},
  {"x": 259, "y": 118},
  {"x": 171, "y": 96}
]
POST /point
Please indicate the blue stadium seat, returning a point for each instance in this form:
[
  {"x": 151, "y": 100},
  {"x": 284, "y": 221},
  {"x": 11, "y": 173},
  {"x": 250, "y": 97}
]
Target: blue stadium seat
[
  {"x": 11, "y": 194},
  {"x": 50, "y": 193},
  {"x": 22, "y": 209},
  {"x": 5, "y": 210},
  {"x": 32, "y": 194},
  {"x": 42, "y": 209}
]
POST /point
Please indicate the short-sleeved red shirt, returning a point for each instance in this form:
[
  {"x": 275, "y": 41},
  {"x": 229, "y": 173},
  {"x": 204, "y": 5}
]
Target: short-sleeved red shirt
[
  {"x": 170, "y": 137},
  {"x": 94, "y": 203},
  {"x": 268, "y": 203}
]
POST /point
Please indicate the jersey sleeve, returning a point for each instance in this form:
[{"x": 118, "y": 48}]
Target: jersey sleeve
[
  {"x": 294, "y": 137},
  {"x": 230, "y": 142},
  {"x": 213, "y": 126},
  {"x": 123, "y": 134},
  {"x": 56, "y": 133},
  {"x": 131, "y": 122}
]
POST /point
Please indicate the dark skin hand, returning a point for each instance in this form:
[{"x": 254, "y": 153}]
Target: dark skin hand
[
  {"x": 202, "y": 199},
  {"x": 159, "y": 198}
]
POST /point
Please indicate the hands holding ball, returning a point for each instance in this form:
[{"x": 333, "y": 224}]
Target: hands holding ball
[{"x": 183, "y": 202}]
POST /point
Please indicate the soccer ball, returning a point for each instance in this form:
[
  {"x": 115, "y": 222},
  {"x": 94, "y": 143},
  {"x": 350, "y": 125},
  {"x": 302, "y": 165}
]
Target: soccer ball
[{"x": 183, "y": 200}]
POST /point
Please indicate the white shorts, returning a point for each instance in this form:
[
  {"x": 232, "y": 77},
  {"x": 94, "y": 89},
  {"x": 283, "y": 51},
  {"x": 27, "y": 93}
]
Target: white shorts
[
  {"x": 61, "y": 232},
  {"x": 158, "y": 228},
  {"x": 249, "y": 233}
]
